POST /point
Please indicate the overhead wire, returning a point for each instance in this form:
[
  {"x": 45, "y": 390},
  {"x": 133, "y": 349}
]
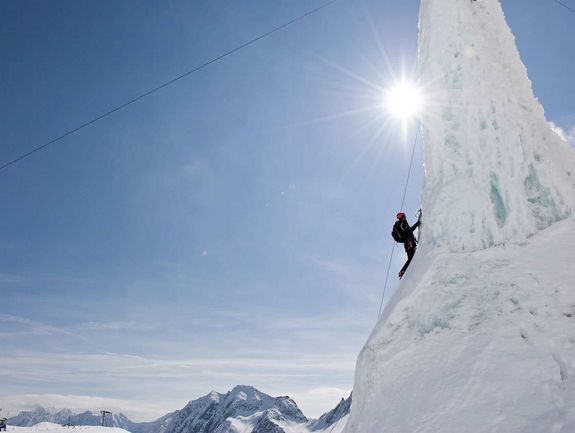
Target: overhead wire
[
  {"x": 173, "y": 80},
  {"x": 559, "y": 2},
  {"x": 401, "y": 207},
  {"x": 168, "y": 83}
]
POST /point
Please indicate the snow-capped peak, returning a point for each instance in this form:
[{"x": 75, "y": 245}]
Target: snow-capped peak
[{"x": 214, "y": 396}]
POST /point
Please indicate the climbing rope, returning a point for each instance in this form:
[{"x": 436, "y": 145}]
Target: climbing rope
[{"x": 401, "y": 207}]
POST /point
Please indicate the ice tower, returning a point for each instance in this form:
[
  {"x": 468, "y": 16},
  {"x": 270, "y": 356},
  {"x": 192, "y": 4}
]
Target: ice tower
[
  {"x": 495, "y": 171},
  {"x": 480, "y": 336}
]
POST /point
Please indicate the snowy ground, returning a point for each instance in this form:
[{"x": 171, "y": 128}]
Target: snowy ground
[
  {"x": 482, "y": 342},
  {"x": 47, "y": 427},
  {"x": 240, "y": 426}
]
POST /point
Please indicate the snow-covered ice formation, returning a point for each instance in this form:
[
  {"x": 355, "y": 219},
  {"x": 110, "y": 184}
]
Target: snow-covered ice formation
[
  {"x": 494, "y": 169},
  {"x": 480, "y": 335},
  {"x": 479, "y": 342}
]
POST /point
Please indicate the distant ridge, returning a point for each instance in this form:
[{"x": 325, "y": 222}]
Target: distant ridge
[{"x": 244, "y": 408}]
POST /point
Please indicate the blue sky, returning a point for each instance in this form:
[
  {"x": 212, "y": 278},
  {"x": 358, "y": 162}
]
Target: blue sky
[{"x": 232, "y": 228}]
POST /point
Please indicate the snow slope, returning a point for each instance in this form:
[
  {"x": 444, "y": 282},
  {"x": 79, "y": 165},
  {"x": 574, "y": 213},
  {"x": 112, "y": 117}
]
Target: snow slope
[
  {"x": 47, "y": 427},
  {"x": 476, "y": 342},
  {"x": 480, "y": 335},
  {"x": 239, "y": 427}
]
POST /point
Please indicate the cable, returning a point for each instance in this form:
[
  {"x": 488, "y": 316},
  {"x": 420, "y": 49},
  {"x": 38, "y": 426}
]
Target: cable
[
  {"x": 167, "y": 83},
  {"x": 401, "y": 207},
  {"x": 564, "y": 5}
]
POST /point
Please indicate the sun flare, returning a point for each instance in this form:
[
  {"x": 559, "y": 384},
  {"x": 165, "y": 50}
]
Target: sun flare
[{"x": 404, "y": 100}]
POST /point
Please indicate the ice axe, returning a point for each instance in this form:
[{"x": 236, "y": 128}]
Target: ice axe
[{"x": 419, "y": 227}]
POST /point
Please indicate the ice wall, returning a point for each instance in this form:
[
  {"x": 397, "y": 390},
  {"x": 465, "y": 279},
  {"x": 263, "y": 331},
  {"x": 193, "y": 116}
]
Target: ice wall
[{"x": 494, "y": 169}]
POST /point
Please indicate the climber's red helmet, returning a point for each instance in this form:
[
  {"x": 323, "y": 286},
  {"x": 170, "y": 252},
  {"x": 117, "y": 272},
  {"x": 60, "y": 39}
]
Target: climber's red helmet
[{"x": 400, "y": 216}]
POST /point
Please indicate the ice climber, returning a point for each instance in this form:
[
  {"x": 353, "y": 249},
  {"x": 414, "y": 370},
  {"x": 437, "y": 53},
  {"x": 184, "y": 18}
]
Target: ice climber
[{"x": 403, "y": 233}]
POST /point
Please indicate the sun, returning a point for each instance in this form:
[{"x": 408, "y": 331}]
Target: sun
[{"x": 404, "y": 100}]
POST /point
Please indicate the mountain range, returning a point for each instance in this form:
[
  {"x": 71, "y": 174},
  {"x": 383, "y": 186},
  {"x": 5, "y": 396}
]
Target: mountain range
[{"x": 243, "y": 409}]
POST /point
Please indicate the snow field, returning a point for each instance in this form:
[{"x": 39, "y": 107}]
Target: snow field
[
  {"x": 241, "y": 425},
  {"x": 48, "y": 427}
]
